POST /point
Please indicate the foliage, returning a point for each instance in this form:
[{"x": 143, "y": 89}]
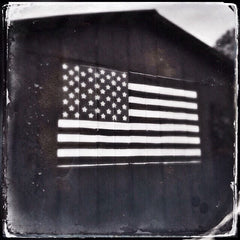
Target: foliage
[{"x": 227, "y": 44}]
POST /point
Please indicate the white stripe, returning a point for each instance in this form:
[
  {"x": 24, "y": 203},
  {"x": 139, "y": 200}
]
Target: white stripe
[
  {"x": 162, "y": 90},
  {"x": 162, "y": 114},
  {"x": 101, "y": 152},
  {"x": 161, "y": 102},
  {"x": 124, "y": 164},
  {"x": 68, "y": 123},
  {"x": 126, "y": 139}
]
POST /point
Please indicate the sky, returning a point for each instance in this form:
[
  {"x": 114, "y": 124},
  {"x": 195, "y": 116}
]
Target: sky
[{"x": 205, "y": 21}]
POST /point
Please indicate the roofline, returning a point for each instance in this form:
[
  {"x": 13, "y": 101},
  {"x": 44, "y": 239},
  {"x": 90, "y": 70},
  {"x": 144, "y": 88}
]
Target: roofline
[
  {"x": 185, "y": 36},
  {"x": 212, "y": 50}
]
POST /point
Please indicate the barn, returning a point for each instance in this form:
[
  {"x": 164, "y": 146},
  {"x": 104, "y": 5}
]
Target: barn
[{"x": 128, "y": 200}]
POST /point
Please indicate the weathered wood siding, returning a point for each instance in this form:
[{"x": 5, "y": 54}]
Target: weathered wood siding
[{"x": 164, "y": 199}]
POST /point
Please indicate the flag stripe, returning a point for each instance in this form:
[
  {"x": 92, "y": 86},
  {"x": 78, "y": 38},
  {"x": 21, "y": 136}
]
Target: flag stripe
[
  {"x": 126, "y": 164},
  {"x": 162, "y": 90},
  {"x": 162, "y": 114},
  {"x": 154, "y": 120},
  {"x": 154, "y": 95},
  {"x": 161, "y": 108},
  {"x": 162, "y": 102},
  {"x": 94, "y": 160},
  {"x": 100, "y": 152},
  {"x": 123, "y": 145},
  {"x": 66, "y": 123},
  {"x": 108, "y": 132},
  {"x": 126, "y": 139}
]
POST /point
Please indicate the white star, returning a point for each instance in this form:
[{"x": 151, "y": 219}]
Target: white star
[
  {"x": 65, "y": 114},
  {"x": 114, "y": 94},
  {"x": 113, "y": 73},
  {"x": 71, "y": 72},
  {"x": 84, "y": 109},
  {"x": 76, "y": 101},
  {"x": 64, "y": 66},
  {"x": 108, "y": 98},
  {"x": 113, "y": 83},
  {"x": 119, "y": 99},
  {"x": 71, "y": 108},
  {"x": 118, "y": 78},
  {"x": 102, "y": 71},
  {"x": 124, "y": 94},
  {"x": 102, "y": 80},
  {"x": 124, "y": 84},
  {"x": 76, "y": 90},
  {"x": 107, "y": 87},
  {"x": 65, "y": 77},
  {"x": 124, "y": 118},
  {"x": 65, "y": 88},
  {"x": 109, "y": 111},
  {"x": 83, "y": 96},
  {"x": 103, "y": 116},
  {"x": 97, "y": 110},
  {"x": 114, "y": 105},
  {"x": 77, "y": 115},
  {"x": 90, "y": 115},
  {"x": 83, "y": 84},
  {"x": 90, "y": 103},
  {"x": 90, "y": 91},
  {"x": 71, "y": 95},
  {"x": 124, "y": 75},
  {"x": 119, "y": 111},
  {"x": 102, "y": 91},
  {"x": 124, "y": 106},
  {"x": 108, "y": 76},
  {"x": 65, "y": 101},
  {"x": 76, "y": 78},
  {"x": 90, "y": 79},
  {"x": 83, "y": 74},
  {"x": 97, "y": 85},
  {"x": 114, "y": 117},
  {"x": 102, "y": 103},
  {"x": 76, "y": 68},
  {"x": 96, "y": 75},
  {"x": 118, "y": 88},
  {"x": 71, "y": 83},
  {"x": 97, "y": 97},
  {"x": 90, "y": 70}
]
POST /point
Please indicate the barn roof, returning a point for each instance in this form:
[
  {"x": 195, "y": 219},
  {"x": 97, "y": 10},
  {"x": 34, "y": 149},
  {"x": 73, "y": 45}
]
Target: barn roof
[
  {"x": 150, "y": 19},
  {"x": 188, "y": 39}
]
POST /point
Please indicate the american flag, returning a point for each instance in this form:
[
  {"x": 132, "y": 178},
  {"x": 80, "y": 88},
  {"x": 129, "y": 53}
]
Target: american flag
[{"x": 112, "y": 117}]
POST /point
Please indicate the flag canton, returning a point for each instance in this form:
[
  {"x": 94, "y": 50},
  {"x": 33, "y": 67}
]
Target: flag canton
[{"x": 94, "y": 93}]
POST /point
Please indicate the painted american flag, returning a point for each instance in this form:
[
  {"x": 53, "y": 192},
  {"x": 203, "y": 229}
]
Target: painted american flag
[{"x": 112, "y": 117}]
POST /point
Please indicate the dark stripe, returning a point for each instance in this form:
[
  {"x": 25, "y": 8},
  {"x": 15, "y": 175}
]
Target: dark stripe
[
  {"x": 125, "y": 145},
  {"x": 159, "y": 96},
  {"x": 163, "y": 82},
  {"x": 94, "y": 160},
  {"x": 107, "y": 132},
  {"x": 161, "y": 108},
  {"x": 160, "y": 120}
]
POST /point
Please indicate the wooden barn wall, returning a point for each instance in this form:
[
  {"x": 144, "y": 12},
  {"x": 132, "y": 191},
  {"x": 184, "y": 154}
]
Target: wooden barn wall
[{"x": 158, "y": 199}]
